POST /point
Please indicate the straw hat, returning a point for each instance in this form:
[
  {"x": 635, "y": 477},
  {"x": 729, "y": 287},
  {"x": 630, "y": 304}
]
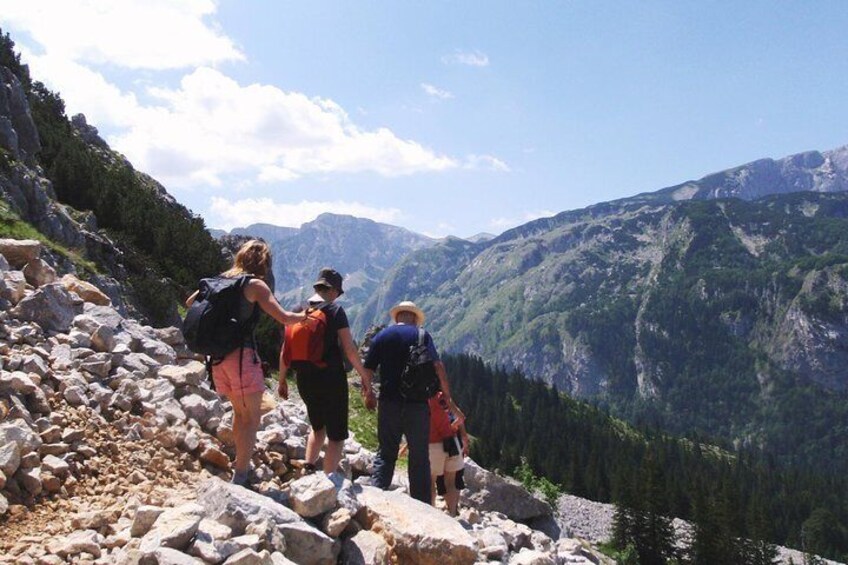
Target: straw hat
[{"x": 408, "y": 306}]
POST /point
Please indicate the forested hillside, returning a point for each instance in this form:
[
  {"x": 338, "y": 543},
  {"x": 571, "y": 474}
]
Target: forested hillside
[
  {"x": 590, "y": 454},
  {"x": 719, "y": 317},
  {"x": 161, "y": 248}
]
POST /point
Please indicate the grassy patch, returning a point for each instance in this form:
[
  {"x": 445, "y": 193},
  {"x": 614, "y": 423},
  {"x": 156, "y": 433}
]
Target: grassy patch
[
  {"x": 362, "y": 422},
  {"x": 13, "y": 227}
]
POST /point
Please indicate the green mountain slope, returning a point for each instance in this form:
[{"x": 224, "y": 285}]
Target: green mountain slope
[{"x": 719, "y": 317}]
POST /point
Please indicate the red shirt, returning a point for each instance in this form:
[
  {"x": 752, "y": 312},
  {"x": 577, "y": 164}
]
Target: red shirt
[{"x": 440, "y": 425}]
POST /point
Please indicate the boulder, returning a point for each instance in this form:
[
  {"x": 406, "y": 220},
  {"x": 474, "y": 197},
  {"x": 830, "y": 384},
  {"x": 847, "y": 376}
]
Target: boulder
[
  {"x": 14, "y": 286},
  {"x": 38, "y": 273},
  {"x": 52, "y": 307},
  {"x": 191, "y": 373},
  {"x": 312, "y": 495},
  {"x": 168, "y": 556},
  {"x": 16, "y": 383},
  {"x": 237, "y": 507},
  {"x": 162, "y": 352},
  {"x": 18, "y": 432},
  {"x": 85, "y": 290},
  {"x": 491, "y": 543},
  {"x": 104, "y": 315},
  {"x": 170, "y": 335},
  {"x": 95, "y": 519},
  {"x": 489, "y": 492},
  {"x": 30, "y": 479},
  {"x": 55, "y": 466},
  {"x": 145, "y": 517},
  {"x": 334, "y": 523},
  {"x": 10, "y": 457},
  {"x": 215, "y": 457},
  {"x": 420, "y": 533},
  {"x": 103, "y": 339},
  {"x": 239, "y": 543},
  {"x": 250, "y": 557},
  {"x": 531, "y": 557},
  {"x": 35, "y": 364},
  {"x": 4, "y": 505},
  {"x": 19, "y": 252},
  {"x": 195, "y": 408},
  {"x": 174, "y": 528},
  {"x": 4, "y": 264},
  {"x": 366, "y": 548},
  {"x": 98, "y": 364},
  {"x": 76, "y": 396},
  {"x": 84, "y": 541}
]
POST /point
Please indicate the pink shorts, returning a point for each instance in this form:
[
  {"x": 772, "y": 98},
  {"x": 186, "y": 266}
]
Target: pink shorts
[{"x": 226, "y": 374}]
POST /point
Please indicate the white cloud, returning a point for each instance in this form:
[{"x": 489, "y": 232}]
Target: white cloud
[
  {"x": 154, "y": 34},
  {"x": 208, "y": 130},
  {"x": 469, "y": 58},
  {"x": 507, "y": 223},
  {"x": 486, "y": 163},
  {"x": 228, "y": 214},
  {"x": 436, "y": 92}
]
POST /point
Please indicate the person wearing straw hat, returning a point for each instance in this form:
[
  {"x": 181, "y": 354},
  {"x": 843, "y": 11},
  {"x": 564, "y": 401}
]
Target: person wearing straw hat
[{"x": 397, "y": 415}]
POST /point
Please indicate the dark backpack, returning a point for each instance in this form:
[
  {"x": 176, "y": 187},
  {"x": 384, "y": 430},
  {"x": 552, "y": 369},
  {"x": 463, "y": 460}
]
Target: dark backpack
[
  {"x": 418, "y": 381},
  {"x": 211, "y": 326}
]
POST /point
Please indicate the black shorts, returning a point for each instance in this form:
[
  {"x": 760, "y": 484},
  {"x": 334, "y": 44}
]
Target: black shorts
[{"x": 324, "y": 391}]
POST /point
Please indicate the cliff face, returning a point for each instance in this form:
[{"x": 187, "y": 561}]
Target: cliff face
[{"x": 62, "y": 184}]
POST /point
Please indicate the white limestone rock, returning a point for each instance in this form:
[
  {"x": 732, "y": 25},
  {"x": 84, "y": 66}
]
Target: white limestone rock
[
  {"x": 312, "y": 495},
  {"x": 366, "y": 548},
  {"x": 18, "y": 432},
  {"x": 421, "y": 533},
  {"x": 237, "y": 507}
]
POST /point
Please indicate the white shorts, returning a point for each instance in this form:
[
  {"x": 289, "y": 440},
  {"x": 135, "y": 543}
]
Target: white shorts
[{"x": 441, "y": 463}]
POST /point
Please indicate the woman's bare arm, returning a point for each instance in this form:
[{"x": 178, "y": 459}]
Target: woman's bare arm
[
  {"x": 190, "y": 300},
  {"x": 258, "y": 292}
]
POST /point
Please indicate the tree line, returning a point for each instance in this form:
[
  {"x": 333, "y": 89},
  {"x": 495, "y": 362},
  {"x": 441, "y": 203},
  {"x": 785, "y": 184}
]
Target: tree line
[{"x": 729, "y": 493}]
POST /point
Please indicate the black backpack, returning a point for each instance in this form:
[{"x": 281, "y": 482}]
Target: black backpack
[
  {"x": 418, "y": 381},
  {"x": 211, "y": 326}
]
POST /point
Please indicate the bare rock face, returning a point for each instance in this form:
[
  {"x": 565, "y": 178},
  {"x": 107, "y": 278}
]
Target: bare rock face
[
  {"x": 52, "y": 307},
  {"x": 422, "y": 534},
  {"x": 19, "y": 252},
  {"x": 366, "y": 548},
  {"x": 15, "y": 108}
]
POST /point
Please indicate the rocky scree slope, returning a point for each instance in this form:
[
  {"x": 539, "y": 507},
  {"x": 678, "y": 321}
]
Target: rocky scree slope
[{"x": 114, "y": 450}]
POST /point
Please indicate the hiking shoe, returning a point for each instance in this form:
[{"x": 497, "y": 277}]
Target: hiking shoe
[
  {"x": 239, "y": 478},
  {"x": 309, "y": 468}
]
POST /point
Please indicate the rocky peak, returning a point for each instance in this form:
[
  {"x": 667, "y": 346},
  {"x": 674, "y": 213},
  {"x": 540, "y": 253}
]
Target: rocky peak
[
  {"x": 18, "y": 134},
  {"x": 87, "y": 132}
]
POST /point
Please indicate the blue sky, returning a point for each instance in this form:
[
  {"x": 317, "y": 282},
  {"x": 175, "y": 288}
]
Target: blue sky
[{"x": 443, "y": 117}]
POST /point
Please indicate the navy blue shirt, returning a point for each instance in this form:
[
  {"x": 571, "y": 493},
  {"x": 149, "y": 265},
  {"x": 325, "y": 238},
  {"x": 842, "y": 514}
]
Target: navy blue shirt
[{"x": 389, "y": 350}]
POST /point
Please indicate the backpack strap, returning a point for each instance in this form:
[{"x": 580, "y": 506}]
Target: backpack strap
[{"x": 421, "y": 335}]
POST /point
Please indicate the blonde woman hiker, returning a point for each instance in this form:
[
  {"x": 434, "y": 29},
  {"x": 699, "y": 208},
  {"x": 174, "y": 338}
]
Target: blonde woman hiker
[{"x": 220, "y": 323}]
